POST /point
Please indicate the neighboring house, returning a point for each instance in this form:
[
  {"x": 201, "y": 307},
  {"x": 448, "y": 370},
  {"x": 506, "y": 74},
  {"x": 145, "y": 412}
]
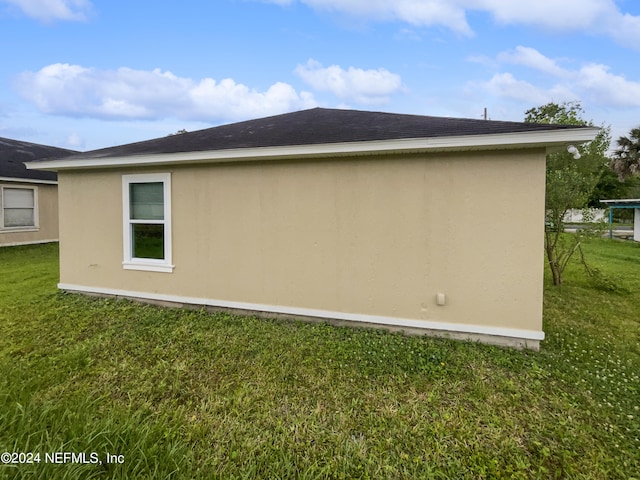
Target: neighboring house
[
  {"x": 28, "y": 198},
  {"x": 422, "y": 224}
]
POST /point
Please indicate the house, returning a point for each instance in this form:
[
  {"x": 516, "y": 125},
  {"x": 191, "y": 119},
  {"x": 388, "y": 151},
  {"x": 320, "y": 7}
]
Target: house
[
  {"x": 28, "y": 198},
  {"x": 414, "y": 223}
]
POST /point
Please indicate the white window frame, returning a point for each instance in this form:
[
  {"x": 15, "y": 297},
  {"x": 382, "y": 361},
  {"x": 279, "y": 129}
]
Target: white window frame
[
  {"x": 36, "y": 215},
  {"x": 148, "y": 264}
]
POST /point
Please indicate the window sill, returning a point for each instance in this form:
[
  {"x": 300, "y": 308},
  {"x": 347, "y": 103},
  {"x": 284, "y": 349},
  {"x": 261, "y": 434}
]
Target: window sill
[{"x": 148, "y": 267}]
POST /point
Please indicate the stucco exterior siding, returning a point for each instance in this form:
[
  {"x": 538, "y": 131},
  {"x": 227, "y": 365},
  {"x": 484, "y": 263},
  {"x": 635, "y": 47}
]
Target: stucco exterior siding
[
  {"x": 372, "y": 236},
  {"x": 47, "y": 213}
]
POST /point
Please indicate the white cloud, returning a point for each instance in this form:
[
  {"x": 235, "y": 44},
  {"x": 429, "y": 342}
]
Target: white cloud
[
  {"x": 51, "y": 10},
  {"x": 592, "y": 82},
  {"x": 625, "y": 29},
  {"x": 279, "y": 2},
  {"x": 415, "y": 12},
  {"x": 355, "y": 84},
  {"x": 73, "y": 90},
  {"x": 530, "y": 57},
  {"x": 592, "y": 16},
  {"x": 228, "y": 99},
  {"x": 564, "y": 15},
  {"x": 606, "y": 88},
  {"x": 75, "y": 142},
  {"x": 506, "y": 85}
]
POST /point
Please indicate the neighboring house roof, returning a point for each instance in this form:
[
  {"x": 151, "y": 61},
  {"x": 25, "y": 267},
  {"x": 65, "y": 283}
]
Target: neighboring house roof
[
  {"x": 622, "y": 203},
  {"x": 326, "y": 132},
  {"x": 14, "y": 152}
]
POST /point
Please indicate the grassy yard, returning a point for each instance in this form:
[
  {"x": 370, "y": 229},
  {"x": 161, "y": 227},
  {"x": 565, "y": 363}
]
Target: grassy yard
[{"x": 188, "y": 394}]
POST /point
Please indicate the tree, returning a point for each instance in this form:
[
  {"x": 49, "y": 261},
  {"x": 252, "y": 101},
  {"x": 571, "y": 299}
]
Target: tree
[
  {"x": 626, "y": 159},
  {"x": 569, "y": 183},
  {"x": 610, "y": 186},
  {"x": 179, "y": 132}
]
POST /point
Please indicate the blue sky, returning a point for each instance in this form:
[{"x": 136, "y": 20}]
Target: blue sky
[{"x": 88, "y": 74}]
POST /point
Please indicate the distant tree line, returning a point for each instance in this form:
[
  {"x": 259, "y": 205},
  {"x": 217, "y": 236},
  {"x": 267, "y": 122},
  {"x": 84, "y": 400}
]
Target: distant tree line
[{"x": 179, "y": 132}]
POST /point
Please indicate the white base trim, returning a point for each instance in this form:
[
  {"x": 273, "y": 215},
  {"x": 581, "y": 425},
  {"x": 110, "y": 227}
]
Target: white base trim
[
  {"x": 19, "y": 229},
  {"x": 308, "y": 312},
  {"x": 36, "y": 242}
]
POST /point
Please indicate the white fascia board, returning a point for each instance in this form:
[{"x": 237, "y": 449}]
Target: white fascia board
[
  {"x": 622, "y": 200},
  {"x": 542, "y": 139},
  {"x": 27, "y": 180}
]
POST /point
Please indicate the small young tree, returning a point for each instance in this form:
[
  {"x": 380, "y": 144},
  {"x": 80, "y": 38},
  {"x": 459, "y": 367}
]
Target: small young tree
[
  {"x": 569, "y": 182},
  {"x": 566, "y": 189}
]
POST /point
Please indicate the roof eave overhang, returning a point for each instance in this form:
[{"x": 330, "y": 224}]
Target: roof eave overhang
[
  {"x": 537, "y": 139},
  {"x": 27, "y": 180}
]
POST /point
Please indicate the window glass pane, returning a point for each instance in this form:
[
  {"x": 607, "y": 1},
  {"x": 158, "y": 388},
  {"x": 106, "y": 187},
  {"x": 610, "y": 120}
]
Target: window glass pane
[
  {"x": 18, "y": 198},
  {"x": 147, "y": 201},
  {"x": 18, "y": 217},
  {"x": 148, "y": 240}
]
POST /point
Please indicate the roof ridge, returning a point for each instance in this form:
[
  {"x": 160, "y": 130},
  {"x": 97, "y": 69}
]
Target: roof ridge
[{"x": 317, "y": 126}]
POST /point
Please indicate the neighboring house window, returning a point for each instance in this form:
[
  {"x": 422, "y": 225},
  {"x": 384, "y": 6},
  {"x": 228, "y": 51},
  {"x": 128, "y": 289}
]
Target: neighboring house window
[
  {"x": 19, "y": 208},
  {"x": 147, "y": 222}
]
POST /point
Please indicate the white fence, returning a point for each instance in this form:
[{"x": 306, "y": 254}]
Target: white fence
[{"x": 592, "y": 214}]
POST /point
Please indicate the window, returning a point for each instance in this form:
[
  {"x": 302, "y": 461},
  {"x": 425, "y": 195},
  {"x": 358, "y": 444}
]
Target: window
[
  {"x": 146, "y": 201},
  {"x": 19, "y": 208}
]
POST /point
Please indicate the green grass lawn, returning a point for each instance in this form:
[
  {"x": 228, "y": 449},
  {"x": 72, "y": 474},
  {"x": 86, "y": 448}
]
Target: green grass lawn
[{"x": 188, "y": 394}]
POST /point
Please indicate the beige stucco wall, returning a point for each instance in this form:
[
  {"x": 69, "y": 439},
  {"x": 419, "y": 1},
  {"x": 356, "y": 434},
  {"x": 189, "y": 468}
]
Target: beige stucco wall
[
  {"x": 47, "y": 230},
  {"x": 374, "y": 236}
]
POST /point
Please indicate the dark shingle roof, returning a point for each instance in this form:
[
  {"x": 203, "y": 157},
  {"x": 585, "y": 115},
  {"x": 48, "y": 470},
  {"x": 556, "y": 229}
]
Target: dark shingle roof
[
  {"x": 14, "y": 152},
  {"x": 313, "y": 127}
]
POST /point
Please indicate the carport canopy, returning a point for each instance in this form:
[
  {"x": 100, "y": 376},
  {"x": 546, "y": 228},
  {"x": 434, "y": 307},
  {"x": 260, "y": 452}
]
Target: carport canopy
[{"x": 624, "y": 203}]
